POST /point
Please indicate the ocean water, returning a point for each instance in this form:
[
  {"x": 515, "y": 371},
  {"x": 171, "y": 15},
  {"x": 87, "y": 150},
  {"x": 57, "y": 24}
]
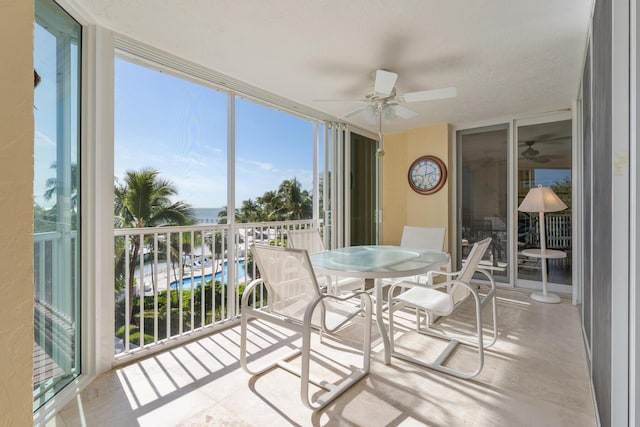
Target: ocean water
[{"x": 206, "y": 215}]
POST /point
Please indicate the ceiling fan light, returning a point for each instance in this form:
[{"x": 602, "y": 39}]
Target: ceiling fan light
[
  {"x": 390, "y": 113},
  {"x": 404, "y": 112},
  {"x": 370, "y": 115}
]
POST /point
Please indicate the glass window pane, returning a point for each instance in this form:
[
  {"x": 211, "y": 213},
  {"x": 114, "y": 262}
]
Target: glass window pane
[
  {"x": 57, "y": 48},
  {"x": 364, "y": 191},
  {"x": 483, "y": 198},
  {"x": 274, "y": 164},
  {"x": 170, "y": 167},
  {"x": 175, "y": 127},
  {"x": 544, "y": 158}
]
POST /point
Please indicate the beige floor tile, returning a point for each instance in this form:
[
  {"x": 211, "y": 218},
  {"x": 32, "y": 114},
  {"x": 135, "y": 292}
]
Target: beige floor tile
[{"x": 536, "y": 374}]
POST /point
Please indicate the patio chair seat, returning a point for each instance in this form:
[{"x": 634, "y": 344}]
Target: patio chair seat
[{"x": 432, "y": 300}]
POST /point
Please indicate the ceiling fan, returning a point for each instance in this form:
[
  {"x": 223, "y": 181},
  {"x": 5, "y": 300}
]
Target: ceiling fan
[
  {"x": 531, "y": 153},
  {"x": 383, "y": 101}
]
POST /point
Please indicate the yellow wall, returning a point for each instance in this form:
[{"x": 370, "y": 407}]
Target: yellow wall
[
  {"x": 400, "y": 204},
  {"x": 16, "y": 204}
]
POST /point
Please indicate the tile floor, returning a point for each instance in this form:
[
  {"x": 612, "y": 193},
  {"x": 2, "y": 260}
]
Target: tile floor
[{"x": 535, "y": 375}]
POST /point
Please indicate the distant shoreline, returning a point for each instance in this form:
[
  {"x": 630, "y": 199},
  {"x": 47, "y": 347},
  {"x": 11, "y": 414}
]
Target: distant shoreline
[{"x": 206, "y": 215}]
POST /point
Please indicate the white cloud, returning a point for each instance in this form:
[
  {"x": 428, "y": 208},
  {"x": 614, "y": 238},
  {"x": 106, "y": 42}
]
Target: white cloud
[
  {"x": 190, "y": 160},
  {"x": 265, "y": 166}
]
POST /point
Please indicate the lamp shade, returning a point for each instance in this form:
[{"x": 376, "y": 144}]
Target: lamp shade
[{"x": 541, "y": 199}]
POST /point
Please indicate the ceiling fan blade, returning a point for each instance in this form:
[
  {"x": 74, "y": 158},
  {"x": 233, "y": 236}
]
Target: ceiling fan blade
[
  {"x": 404, "y": 112},
  {"x": 356, "y": 111},
  {"x": 341, "y": 100},
  {"x": 429, "y": 95},
  {"x": 539, "y": 159},
  {"x": 385, "y": 81}
]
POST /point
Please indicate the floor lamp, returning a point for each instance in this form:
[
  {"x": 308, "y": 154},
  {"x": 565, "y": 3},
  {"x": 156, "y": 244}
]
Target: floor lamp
[{"x": 543, "y": 199}]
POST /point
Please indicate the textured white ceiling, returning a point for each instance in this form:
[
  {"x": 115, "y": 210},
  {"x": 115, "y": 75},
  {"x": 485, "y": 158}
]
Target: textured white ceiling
[{"x": 506, "y": 57}]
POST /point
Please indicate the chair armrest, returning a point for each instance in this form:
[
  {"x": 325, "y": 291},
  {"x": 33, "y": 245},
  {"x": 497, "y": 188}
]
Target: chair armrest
[
  {"x": 249, "y": 290},
  {"x": 431, "y": 273},
  {"x": 346, "y": 297},
  {"x": 493, "y": 283},
  {"x": 404, "y": 283},
  {"x": 366, "y": 306}
]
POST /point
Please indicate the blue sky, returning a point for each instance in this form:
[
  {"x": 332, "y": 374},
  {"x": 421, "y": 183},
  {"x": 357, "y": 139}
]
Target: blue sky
[
  {"x": 180, "y": 129},
  {"x": 45, "y": 119},
  {"x": 548, "y": 177}
]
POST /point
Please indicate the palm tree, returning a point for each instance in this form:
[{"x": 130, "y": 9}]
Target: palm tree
[
  {"x": 250, "y": 212},
  {"x": 52, "y": 185},
  {"x": 45, "y": 219},
  {"x": 222, "y": 215},
  {"x": 296, "y": 203},
  {"x": 271, "y": 205},
  {"x": 143, "y": 199}
]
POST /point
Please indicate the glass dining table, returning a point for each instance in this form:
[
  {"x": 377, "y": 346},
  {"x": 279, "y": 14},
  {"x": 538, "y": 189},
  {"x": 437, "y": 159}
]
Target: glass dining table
[{"x": 377, "y": 263}]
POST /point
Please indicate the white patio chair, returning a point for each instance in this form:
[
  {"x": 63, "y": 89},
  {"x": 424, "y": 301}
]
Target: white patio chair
[
  {"x": 310, "y": 240},
  {"x": 429, "y": 298},
  {"x": 296, "y": 303},
  {"x": 421, "y": 238},
  {"x": 424, "y": 238}
]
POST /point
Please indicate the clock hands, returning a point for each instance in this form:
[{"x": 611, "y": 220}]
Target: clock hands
[{"x": 427, "y": 174}]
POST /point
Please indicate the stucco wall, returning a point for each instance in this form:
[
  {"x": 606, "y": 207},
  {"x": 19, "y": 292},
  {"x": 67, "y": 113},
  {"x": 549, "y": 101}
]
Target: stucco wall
[
  {"x": 16, "y": 201},
  {"x": 400, "y": 204}
]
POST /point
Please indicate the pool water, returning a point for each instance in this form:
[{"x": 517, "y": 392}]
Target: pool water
[{"x": 197, "y": 280}]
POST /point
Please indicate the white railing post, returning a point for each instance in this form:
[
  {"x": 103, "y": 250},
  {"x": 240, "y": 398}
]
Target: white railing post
[{"x": 126, "y": 294}]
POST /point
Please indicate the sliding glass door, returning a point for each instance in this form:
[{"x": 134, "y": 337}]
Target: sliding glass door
[
  {"x": 483, "y": 195},
  {"x": 56, "y": 239},
  {"x": 363, "y": 191},
  {"x": 497, "y": 166},
  {"x": 544, "y": 159}
]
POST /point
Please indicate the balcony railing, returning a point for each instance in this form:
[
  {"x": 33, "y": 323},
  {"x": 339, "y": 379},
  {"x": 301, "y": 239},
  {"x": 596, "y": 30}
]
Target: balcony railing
[
  {"x": 55, "y": 307},
  {"x": 186, "y": 280}
]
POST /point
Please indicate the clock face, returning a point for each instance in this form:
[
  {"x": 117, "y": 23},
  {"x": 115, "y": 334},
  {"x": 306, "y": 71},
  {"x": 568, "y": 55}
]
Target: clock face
[{"x": 427, "y": 175}]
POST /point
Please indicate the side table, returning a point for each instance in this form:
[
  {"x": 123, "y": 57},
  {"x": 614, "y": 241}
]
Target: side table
[{"x": 548, "y": 253}]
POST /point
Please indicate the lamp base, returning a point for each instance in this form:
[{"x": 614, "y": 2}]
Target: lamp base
[{"x": 548, "y": 298}]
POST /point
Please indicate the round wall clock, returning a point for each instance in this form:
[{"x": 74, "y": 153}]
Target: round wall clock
[{"x": 427, "y": 174}]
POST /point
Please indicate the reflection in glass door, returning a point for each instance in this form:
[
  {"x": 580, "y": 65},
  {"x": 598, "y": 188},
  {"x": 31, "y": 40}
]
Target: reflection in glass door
[
  {"x": 56, "y": 239},
  {"x": 544, "y": 158},
  {"x": 483, "y": 195},
  {"x": 364, "y": 191}
]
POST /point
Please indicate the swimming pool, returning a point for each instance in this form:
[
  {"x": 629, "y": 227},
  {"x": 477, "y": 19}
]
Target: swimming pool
[{"x": 197, "y": 280}]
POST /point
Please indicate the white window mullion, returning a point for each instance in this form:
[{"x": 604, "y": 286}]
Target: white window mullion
[
  {"x": 346, "y": 181},
  {"x": 231, "y": 203},
  {"x": 316, "y": 180}
]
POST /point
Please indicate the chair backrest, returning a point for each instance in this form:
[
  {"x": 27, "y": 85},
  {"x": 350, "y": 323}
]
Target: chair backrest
[
  {"x": 423, "y": 237},
  {"x": 289, "y": 278},
  {"x": 469, "y": 268},
  {"x": 308, "y": 239}
]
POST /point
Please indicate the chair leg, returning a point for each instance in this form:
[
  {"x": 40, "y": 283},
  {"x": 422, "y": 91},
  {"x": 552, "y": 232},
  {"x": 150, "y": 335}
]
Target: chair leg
[
  {"x": 243, "y": 350},
  {"x": 333, "y": 390},
  {"x": 391, "y": 334},
  {"x": 438, "y": 364}
]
